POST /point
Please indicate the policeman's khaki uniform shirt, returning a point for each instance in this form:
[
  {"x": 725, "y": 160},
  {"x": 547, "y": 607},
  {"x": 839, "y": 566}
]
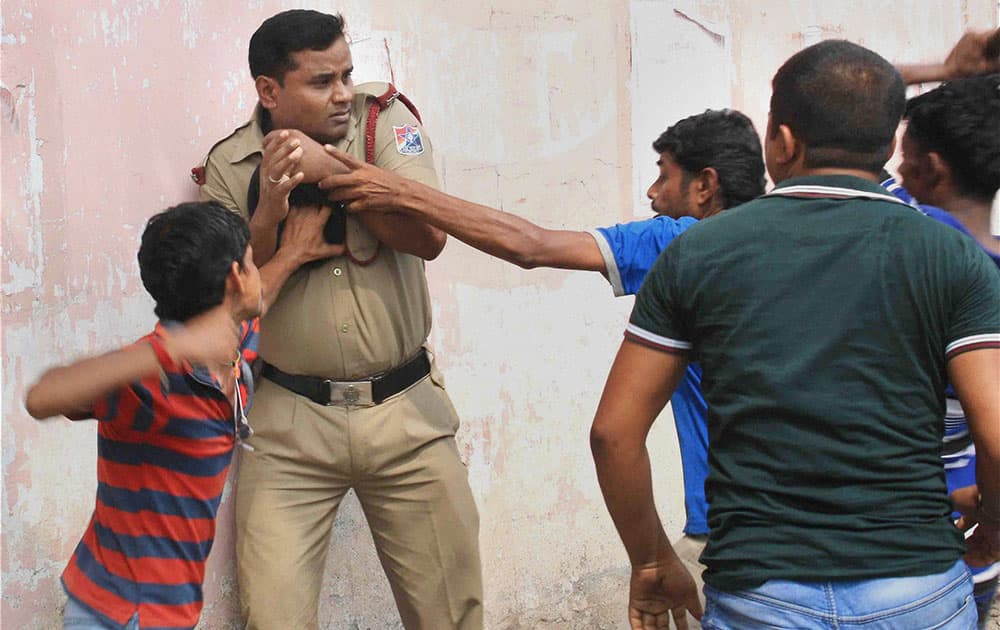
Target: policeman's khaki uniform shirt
[{"x": 337, "y": 319}]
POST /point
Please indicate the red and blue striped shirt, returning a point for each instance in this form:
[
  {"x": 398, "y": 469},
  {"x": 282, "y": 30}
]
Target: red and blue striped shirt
[{"x": 164, "y": 448}]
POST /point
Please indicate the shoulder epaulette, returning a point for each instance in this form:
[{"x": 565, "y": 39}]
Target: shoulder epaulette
[
  {"x": 379, "y": 103},
  {"x": 198, "y": 172}
]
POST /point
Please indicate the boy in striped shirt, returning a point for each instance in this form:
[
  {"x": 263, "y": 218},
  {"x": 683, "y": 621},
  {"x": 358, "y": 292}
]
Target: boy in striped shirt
[{"x": 171, "y": 409}]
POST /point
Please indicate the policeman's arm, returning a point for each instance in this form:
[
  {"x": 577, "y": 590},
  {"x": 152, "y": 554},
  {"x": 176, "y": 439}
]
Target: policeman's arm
[
  {"x": 405, "y": 233},
  {"x": 214, "y": 188},
  {"x": 369, "y": 190},
  {"x": 975, "y": 375},
  {"x": 400, "y": 232}
]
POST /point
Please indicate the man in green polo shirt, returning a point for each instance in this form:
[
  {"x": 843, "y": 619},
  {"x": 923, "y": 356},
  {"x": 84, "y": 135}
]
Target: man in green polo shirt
[{"x": 827, "y": 317}]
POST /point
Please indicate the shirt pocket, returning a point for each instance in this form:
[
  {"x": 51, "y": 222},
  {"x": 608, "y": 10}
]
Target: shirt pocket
[{"x": 361, "y": 243}]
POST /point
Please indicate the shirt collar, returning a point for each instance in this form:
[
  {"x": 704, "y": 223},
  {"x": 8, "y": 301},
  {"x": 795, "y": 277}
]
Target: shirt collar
[
  {"x": 833, "y": 187},
  {"x": 198, "y": 372}
]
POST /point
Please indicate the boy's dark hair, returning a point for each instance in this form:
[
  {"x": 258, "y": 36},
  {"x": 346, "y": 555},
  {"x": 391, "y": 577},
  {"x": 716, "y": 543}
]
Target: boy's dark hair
[
  {"x": 273, "y": 43},
  {"x": 724, "y": 140},
  {"x": 955, "y": 121},
  {"x": 186, "y": 254},
  {"x": 843, "y": 101}
]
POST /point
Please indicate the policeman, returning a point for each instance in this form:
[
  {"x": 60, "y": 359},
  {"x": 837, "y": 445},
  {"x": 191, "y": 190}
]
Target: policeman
[{"x": 350, "y": 396}]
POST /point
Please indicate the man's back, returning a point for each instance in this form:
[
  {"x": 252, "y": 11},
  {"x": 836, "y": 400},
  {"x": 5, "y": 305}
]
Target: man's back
[{"x": 821, "y": 321}]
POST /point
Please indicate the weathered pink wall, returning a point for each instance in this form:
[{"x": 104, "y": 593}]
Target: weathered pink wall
[{"x": 544, "y": 108}]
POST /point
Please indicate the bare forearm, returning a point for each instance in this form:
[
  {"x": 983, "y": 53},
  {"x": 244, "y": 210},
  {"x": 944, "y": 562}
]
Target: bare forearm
[
  {"x": 975, "y": 53},
  {"x": 275, "y": 273},
  {"x": 626, "y": 482},
  {"x": 263, "y": 239},
  {"x": 988, "y": 480},
  {"x": 640, "y": 383},
  {"x": 986, "y": 437},
  {"x": 368, "y": 190},
  {"x": 913, "y": 73},
  {"x": 501, "y": 234},
  {"x": 975, "y": 376},
  {"x": 74, "y": 389}
]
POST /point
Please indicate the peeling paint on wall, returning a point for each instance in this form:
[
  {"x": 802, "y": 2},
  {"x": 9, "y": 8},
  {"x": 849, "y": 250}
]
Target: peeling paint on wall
[{"x": 543, "y": 108}]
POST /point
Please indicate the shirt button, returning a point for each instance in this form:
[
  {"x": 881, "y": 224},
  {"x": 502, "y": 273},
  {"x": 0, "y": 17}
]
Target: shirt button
[
  {"x": 337, "y": 271},
  {"x": 344, "y": 328}
]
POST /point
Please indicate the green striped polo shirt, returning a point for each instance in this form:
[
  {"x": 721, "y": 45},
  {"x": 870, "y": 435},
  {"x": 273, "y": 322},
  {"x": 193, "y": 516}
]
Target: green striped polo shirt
[{"x": 823, "y": 315}]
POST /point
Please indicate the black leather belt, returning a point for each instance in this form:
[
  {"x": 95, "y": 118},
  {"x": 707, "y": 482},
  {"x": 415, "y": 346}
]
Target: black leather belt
[{"x": 363, "y": 393}]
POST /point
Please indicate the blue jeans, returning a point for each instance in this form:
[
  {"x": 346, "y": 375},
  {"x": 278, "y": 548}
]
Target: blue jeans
[
  {"x": 942, "y": 602},
  {"x": 79, "y": 617}
]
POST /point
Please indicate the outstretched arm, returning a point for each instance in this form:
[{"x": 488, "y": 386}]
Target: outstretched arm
[
  {"x": 72, "y": 390},
  {"x": 977, "y": 52},
  {"x": 639, "y": 385},
  {"x": 369, "y": 190}
]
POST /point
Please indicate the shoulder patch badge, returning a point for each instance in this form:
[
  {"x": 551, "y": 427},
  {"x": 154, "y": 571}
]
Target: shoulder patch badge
[{"x": 408, "y": 141}]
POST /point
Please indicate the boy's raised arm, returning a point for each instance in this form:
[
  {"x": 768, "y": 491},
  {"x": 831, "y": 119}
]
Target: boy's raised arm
[{"x": 72, "y": 390}]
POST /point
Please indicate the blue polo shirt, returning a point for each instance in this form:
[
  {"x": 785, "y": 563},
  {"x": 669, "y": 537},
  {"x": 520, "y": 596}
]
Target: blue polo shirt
[{"x": 629, "y": 250}]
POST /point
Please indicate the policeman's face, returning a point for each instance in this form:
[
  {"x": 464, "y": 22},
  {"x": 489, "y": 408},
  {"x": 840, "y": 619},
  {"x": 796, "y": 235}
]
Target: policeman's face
[
  {"x": 669, "y": 194},
  {"x": 315, "y": 97}
]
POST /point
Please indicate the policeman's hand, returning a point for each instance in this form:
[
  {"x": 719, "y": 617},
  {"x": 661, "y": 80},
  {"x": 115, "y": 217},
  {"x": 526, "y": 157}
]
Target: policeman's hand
[
  {"x": 211, "y": 338},
  {"x": 279, "y": 174},
  {"x": 660, "y": 591},
  {"x": 977, "y": 52},
  {"x": 314, "y": 163},
  {"x": 364, "y": 187},
  {"x": 303, "y": 235}
]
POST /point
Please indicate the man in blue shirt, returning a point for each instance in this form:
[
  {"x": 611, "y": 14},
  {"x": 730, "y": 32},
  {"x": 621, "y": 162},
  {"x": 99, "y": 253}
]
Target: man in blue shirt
[{"x": 708, "y": 162}]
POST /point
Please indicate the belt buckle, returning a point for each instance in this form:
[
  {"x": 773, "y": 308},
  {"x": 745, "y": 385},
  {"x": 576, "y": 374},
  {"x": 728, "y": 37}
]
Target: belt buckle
[{"x": 350, "y": 393}]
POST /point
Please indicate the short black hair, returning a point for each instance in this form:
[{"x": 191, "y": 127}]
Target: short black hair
[
  {"x": 186, "y": 254},
  {"x": 843, "y": 101},
  {"x": 724, "y": 140},
  {"x": 954, "y": 121},
  {"x": 273, "y": 43}
]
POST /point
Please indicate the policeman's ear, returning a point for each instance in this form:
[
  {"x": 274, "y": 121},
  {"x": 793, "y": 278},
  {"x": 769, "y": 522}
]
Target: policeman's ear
[{"x": 267, "y": 91}]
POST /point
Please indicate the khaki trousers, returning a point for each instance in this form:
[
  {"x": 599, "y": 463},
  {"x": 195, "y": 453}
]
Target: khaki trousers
[
  {"x": 688, "y": 549},
  {"x": 402, "y": 461}
]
